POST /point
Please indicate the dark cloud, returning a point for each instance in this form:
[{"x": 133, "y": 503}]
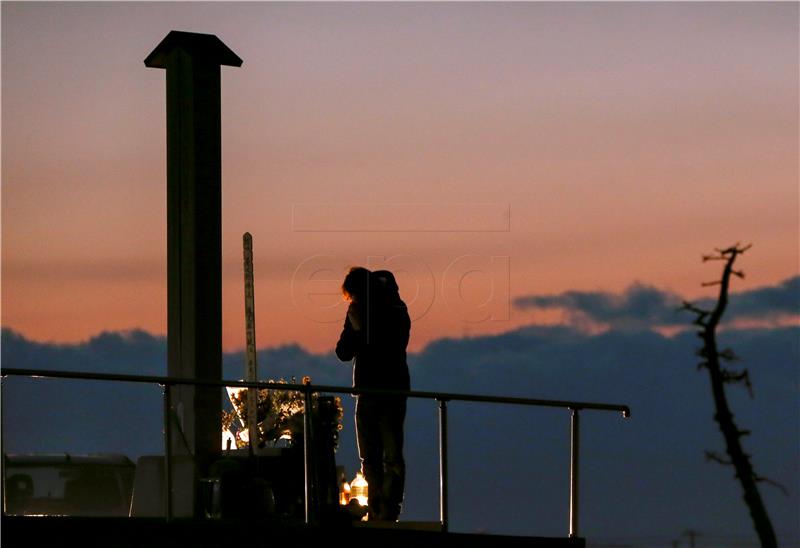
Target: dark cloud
[
  {"x": 638, "y": 306},
  {"x": 508, "y": 465},
  {"x": 642, "y": 306},
  {"x": 134, "y": 352},
  {"x": 780, "y": 299}
]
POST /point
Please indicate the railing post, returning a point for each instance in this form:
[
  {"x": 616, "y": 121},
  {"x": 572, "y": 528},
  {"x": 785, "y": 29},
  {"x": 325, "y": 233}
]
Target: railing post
[
  {"x": 311, "y": 483},
  {"x": 308, "y": 457},
  {"x": 443, "y": 502},
  {"x": 573, "y": 471},
  {"x": 3, "y": 441},
  {"x": 168, "y": 450}
]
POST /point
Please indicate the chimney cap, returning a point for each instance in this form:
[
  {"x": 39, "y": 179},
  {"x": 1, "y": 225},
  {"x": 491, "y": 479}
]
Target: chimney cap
[{"x": 206, "y": 46}]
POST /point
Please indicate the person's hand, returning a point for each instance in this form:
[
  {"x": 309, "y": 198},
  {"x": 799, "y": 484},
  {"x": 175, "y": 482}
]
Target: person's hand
[{"x": 354, "y": 318}]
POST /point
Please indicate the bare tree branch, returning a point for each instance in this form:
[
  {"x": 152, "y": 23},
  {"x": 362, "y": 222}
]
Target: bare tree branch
[
  {"x": 728, "y": 355},
  {"x": 720, "y": 377},
  {"x": 691, "y": 307},
  {"x": 761, "y": 479},
  {"x": 700, "y": 314},
  {"x": 733, "y": 377},
  {"x": 716, "y": 457}
]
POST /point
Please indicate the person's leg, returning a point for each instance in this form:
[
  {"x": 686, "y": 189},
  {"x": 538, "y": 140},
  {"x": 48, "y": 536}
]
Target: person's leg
[
  {"x": 368, "y": 435},
  {"x": 394, "y": 466}
]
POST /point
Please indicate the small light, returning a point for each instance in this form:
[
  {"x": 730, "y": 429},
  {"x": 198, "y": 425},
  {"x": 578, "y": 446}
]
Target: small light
[
  {"x": 359, "y": 489},
  {"x": 344, "y": 494}
]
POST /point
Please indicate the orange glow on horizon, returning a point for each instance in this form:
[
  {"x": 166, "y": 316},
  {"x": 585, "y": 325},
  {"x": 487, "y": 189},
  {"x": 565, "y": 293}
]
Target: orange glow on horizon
[{"x": 579, "y": 149}]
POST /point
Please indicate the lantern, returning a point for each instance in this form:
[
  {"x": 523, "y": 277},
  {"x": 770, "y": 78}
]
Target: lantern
[
  {"x": 359, "y": 489},
  {"x": 344, "y": 494}
]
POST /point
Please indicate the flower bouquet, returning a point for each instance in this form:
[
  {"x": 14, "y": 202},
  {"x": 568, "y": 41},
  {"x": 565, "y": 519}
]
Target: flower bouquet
[{"x": 280, "y": 415}]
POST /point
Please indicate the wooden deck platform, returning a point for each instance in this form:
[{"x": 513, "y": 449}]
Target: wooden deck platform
[{"x": 49, "y": 531}]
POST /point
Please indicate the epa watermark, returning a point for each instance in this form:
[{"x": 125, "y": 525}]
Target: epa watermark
[{"x": 472, "y": 287}]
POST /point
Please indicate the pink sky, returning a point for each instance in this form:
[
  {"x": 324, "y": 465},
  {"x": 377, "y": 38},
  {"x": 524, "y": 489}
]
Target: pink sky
[{"x": 512, "y": 149}]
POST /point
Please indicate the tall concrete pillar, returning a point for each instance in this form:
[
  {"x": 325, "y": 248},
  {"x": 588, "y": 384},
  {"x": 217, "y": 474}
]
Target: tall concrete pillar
[{"x": 194, "y": 247}]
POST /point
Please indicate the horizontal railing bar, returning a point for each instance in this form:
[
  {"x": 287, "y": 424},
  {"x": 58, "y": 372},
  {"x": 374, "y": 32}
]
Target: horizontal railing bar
[{"x": 151, "y": 379}]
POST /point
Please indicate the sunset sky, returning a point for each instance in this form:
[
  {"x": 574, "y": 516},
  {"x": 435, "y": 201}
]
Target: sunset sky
[{"x": 484, "y": 151}]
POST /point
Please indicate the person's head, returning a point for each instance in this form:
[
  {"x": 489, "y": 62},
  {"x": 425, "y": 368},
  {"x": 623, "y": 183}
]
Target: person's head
[
  {"x": 386, "y": 281},
  {"x": 356, "y": 284},
  {"x": 385, "y": 288}
]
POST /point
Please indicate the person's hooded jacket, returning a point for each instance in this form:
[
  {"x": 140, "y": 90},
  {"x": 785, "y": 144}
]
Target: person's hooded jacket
[{"x": 375, "y": 336}]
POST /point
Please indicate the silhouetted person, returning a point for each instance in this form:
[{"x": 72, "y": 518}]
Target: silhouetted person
[{"x": 375, "y": 336}]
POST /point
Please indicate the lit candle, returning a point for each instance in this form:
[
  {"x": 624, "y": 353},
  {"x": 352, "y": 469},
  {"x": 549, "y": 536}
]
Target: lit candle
[{"x": 344, "y": 495}]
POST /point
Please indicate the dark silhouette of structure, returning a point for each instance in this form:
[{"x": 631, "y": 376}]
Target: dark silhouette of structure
[
  {"x": 708, "y": 321},
  {"x": 194, "y": 244},
  {"x": 691, "y": 534},
  {"x": 375, "y": 335}
]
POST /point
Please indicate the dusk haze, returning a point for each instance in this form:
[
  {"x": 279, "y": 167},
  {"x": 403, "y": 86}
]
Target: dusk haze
[{"x": 543, "y": 180}]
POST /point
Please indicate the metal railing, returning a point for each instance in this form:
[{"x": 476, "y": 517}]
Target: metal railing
[{"x": 308, "y": 390}]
